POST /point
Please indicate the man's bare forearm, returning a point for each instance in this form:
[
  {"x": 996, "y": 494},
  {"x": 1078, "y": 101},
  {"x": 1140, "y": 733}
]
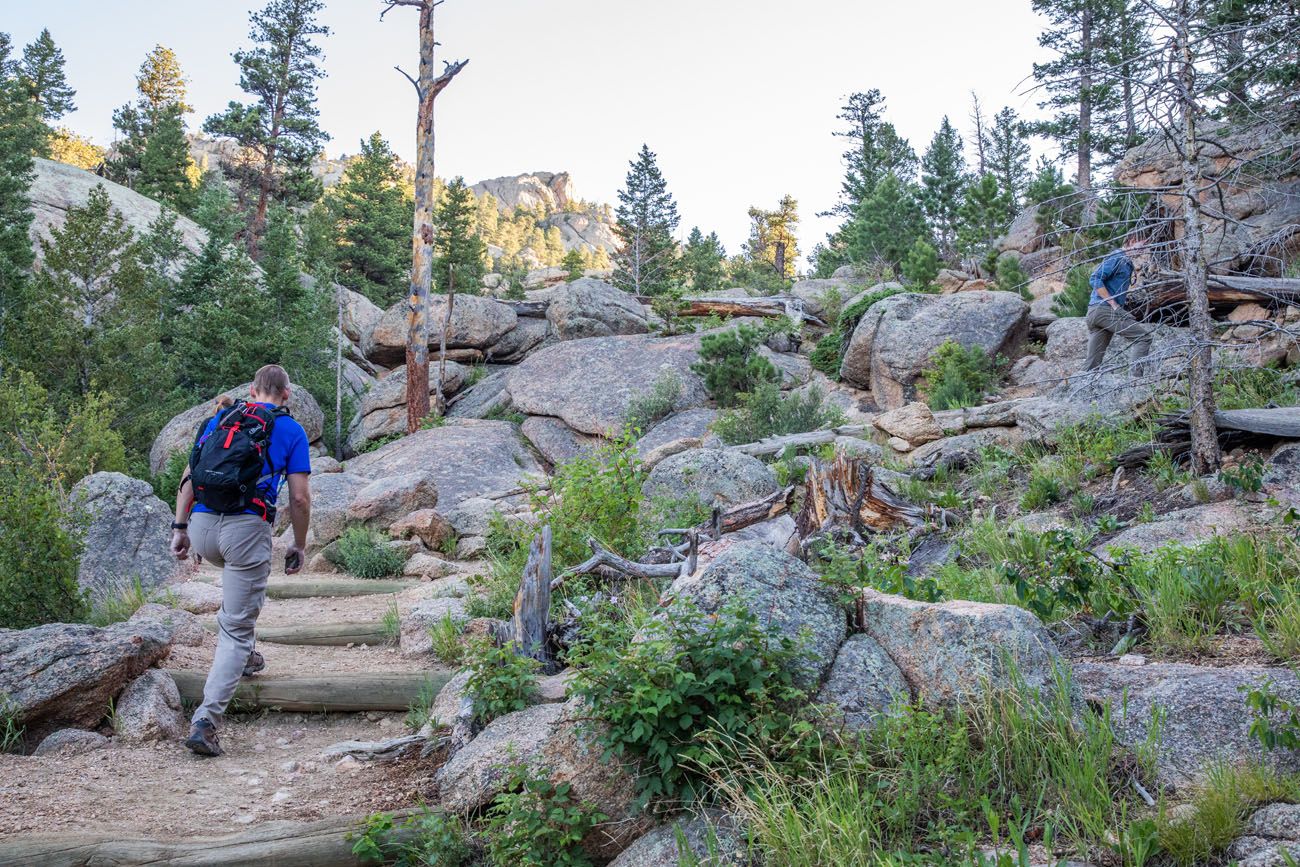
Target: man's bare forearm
[
  {"x": 184, "y": 501},
  {"x": 300, "y": 517}
]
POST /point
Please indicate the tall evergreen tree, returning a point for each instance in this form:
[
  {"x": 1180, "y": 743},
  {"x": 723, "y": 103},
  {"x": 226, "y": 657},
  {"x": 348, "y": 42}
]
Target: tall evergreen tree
[
  {"x": 1009, "y": 158},
  {"x": 165, "y": 163},
  {"x": 772, "y": 242},
  {"x": 646, "y": 219},
  {"x": 21, "y": 131},
  {"x": 279, "y": 127},
  {"x": 160, "y": 108},
  {"x": 875, "y": 149},
  {"x": 704, "y": 261},
  {"x": 888, "y": 224},
  {"x": 373, "y": 212},
  {"x": 458, "y": 252},
  {"x": 983, "y": 218},
  {"x": 943, "y": 181},
  {"x": 42, "y": 74}
]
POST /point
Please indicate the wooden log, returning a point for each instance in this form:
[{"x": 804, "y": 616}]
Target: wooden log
[
  {"x": 533, "y": 601},
  {"x": 343, "y": 692},
  {"x": 340, "y": 587},
  {"x": 766, "y": 308},
  {"x": 774, "y": 445},
  {"x": 274, "y": 844},
  {"x": 320, "y": 634},
  {"x": 1281, "y": 422},
  {"x": 1169, "y": 290}
]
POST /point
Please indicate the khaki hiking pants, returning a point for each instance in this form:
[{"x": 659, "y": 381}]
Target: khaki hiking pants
[
  {"x": 1105, "y": 323},
  {"x": 241, "y": 545}
]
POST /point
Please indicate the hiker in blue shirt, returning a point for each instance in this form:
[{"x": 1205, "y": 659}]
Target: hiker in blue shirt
[
  {"x": 241, "y": 457},
  {"x": 1107, "y": 316}
]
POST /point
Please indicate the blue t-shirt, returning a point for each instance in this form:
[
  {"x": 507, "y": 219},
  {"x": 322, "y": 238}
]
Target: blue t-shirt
[
  {"x": 287, "y": 454},
  {"x": 1115, "y": 273}
]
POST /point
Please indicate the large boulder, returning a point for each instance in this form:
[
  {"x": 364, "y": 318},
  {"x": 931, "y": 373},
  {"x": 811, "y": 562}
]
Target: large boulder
[
  {"x": 781, "y": 590},
  {"x": 466, "y": 458},
  {"x": 386, "y": 500},
  {"x": 331, "y": 495},
  {"x": 821, "y": 297},
  {"x": 1023, "y": 235},
  {"x": 677, "y": 433},
  {"x": 1282, "y": 474},
  {"x": 948, "y": 651},
  {"x": 64, "y": 674},
  {"x": 126, "y": 532},
  {"x": 709, "y": 477},
  {"x": 383, "y": 407},
  {"x": 178, "y": 434},
  {"x": 417, "y": 620},
  {"x": 897, "y": 337},
  {"x": 360, "y": 315},
  {"x": 591, "y": 383},
  {"x": 1185, "y": 526},
  {"x": 529, "y": 333},
  {"x": 862, "y": 684},
  {"x": 1272, "y": 831},
  {"x": 486, "y": 397},
  {"x": 554, "y": 739},
  {"x": 913, "y": 423},
  {"x": 592, "y": 308},
  {"x": 477, "y": 322},
  {"x": 149, "y": 709},
  {"x": 556, "y": 441},
  {"x": 1200, "y": 712},
  {"x": 714, "y": 839}
]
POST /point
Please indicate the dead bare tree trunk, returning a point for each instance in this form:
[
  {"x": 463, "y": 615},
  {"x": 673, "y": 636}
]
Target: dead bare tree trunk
[
  {"x": 533, "y": 601},
  {"x": 1084, "y": 165},
  {"x": 1205, "y": 441},
  {"x": 427, "y": 88},
  {"x": 442, "y": 342},
  {"x": 977, "y": 117},
  {"x": 338, "y": 376}
]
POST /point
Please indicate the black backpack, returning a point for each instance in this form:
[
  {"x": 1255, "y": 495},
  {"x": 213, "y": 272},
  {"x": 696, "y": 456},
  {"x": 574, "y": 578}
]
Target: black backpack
[{"x": 226, "y": 465}]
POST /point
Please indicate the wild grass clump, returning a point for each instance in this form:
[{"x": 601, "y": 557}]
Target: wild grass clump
[
  {"x": 445, "y": 637},
  {"x": 120, "y": 605},
  {"x": 656, "y": 404},
  {"x": 362, "y": 554},
  {"x": 1219, "y": 809}
]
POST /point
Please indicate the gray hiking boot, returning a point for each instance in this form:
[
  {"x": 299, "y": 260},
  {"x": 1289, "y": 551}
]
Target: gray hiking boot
[
  {"x": 203, "y": 739},
  {"x": 256, "y": 662}
]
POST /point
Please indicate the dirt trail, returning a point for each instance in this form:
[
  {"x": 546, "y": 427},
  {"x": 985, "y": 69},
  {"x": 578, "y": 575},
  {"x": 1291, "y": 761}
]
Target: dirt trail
[{"x": 272, "y": 768}]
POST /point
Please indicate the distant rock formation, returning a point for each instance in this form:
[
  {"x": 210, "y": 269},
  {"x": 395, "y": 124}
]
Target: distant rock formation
[{"x": 552, "y": 191}]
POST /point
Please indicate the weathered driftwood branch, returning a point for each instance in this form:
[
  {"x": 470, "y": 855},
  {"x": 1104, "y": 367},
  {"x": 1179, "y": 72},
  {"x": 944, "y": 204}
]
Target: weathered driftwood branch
[
  {"x": 326, "y": 693},
  {"x": 284, "y": 844},
  {"x": 1169, "y": 290},
  {"x": 771, "y": 307},
  {"x": 845, "y": 494},
  {"x": 603, "y": 558},
  {"x": 774, "y": 445},
  {"x": 533, "y": 601}
]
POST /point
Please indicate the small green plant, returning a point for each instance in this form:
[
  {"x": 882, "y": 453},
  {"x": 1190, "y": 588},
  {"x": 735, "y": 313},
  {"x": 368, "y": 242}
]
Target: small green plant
[
  {"x": 1218, "y": 811},
  {"x": 420, "y": 711},
  {"x": 1060, "y": 576},
  {"x": 168, "y": 481},
  {"x": 537, "y": 823},
  {"x": 427, "y": 838},
  {"x": 500, "y": 681},
  {"x": 392, "y": 623},
  {"x": 1200, "y": 491},
  {"x": 1275, "y": 721},
  {"x": 1278, "y": 626},
  {"x": 1165, "y": 472},
  {"x": 1011, "y": 277},
  {"x": 848, "y": 571},
  {"x": 11, "y": 727},
  {"x": 766, "y": 412},
  {"x": 361, "y": 553},
  {"x": 921, "y": 266},
  {"x": 958, "y": 376},
  {"x": 120, "y": 605},
  {"x": 1082, "y": 504},
  {"x": 1146, "y": 513},
  {"x": 502, "y": 413},
  {"x": 669, "y": 306},
  {"x": 689, "y": 680},
  {"x": 1073, "y": 300},
  {"x": 445, "y": 635},
  {"x": 1252, "y": 387},
  {"x": 731, "y": 365},
  {"x": 657, "y": 403},
  {"x": 1107, "y": 524},
  {"x": 378, "y": 443},
  {"x": 1245, "y": 478},
  {"x": 825, "y": 355},
  {"x": 1043, "y": 490}
]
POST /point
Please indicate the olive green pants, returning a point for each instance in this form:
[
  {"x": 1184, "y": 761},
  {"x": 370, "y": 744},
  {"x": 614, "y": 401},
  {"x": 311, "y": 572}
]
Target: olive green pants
[{"x": 1104, "y": 324}]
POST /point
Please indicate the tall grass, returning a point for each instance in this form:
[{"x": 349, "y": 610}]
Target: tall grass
[{"x": 1218, "y": 811}]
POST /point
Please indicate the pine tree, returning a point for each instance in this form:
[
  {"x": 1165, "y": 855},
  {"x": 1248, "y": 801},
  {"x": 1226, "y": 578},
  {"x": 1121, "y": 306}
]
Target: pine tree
[
  {"x": 1009, "y": 158},
  {"x": 875, "y": 150},
  {"x": 772, "y": 240},
  {"x": 646, "y": 219},
  {"x": 921, "y": 266},
  {"x": 574, "y": 263},
  {"x": 230, "y": 312},
  {"x": 887, "y": 225},
  {"x": 279, "y": 127},
  {"x": 983, "y": 217},
  {"x": 43, "y": 78},
  {"x": 21, "y": 132},
  {"x": 943, "y": 181},
  {"x": 1057, "y": 205},
  {"x": 704, "y": 261},
  {"x": 458, "y": 253},
  {"x": 160, "y": 109},
  {"x": 282, "y": 263},
  {"x": 161, "y": 82},
  {"x": 165, "y": 163},
  {"x": 373, "y": 215}
]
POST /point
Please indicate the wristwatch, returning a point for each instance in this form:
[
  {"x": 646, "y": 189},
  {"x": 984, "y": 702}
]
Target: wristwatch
[{"x": 176, "y": 526}]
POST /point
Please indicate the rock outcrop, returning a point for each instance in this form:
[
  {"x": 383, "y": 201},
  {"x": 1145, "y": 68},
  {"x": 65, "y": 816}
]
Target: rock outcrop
[
  {"x": 897, "y": 337},
  {"x": 708, "y": 478},
  {"x": 149, "y": 709},
  {"x": 383, "y": 408},
  {"x": 592, "y": 308},
  {"x": 556, "y": 441},
  {"x": 126, "y": 532},
  {"x": 862, "y": 684},
  {"x": 714, "y": 839},
  {"x": 476, "y": 323}
]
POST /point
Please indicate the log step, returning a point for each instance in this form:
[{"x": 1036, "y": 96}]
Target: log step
[
  {"x": 283, "y": 844},
  {"x": 330, "y": 693},
  {"x": 330, "y": 587},
  {"x": 320, "y": 634}
]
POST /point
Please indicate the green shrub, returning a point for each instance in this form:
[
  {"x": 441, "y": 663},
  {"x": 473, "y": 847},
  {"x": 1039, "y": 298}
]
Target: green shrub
[
  {"x": 537, "y": 823},
  {"x": 731, "y": 365},
  {"x": 689, "y": 681},
  {"x": 500, "y": 681},
  {"x": 1010, "y": 277},
  {"x": 1044, "y": 489},
  {"x": 958, "y": 376},
  {"x": 657, "y": 403},
  {"x": 1073, "y": 299},
  {"x": 1274, "y": 721},
  {"x": 848, "y": 571},
  {"x": 361, "y": 553},
  {"x": 427, "y": 838},
  {"x": 1245, "y": 478},
  {"x": 921, "y": 266},
  {"x": 768, "y": 412},
  {"x": 39, "y": 557},
  {"x": 825, "y": 356}
]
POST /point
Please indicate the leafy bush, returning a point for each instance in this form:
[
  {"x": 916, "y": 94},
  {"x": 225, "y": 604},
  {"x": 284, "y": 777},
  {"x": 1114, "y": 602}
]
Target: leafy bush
[
  {"x": 500, "y": 682},
  {"x": 1010, "y": 277},
  {"x": 731, "y": 365},
  {"x": 768, "y": 412},
  {"x": 537, "y": 823},
  {"x": 1245, "y": 478},
  {"x": 825, "y": 355},
  {"x": 958, "y": 376},
  {"x": 921, "y": 265},
  {"x": 1274, "y": 721},
  {"x": 428, "y": 837},
  {"x": 648, "y": 408},
  {"x": 1054, "y": 573},
  {"x": 361, "y": 553},
  {"x": 689, "y": 681},
  {"x": 1073, "y": 299}
]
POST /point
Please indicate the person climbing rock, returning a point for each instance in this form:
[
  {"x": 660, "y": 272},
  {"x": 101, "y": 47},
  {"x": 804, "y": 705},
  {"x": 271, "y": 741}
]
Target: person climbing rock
[
  {"x": 1107, "y": 316},
  {"x": 225, "y": 508}
]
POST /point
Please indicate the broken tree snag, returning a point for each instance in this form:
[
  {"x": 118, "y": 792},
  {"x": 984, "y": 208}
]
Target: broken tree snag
[
  {"x": 533, "y": 601},
  {"x": 845, "y": 498},
  {"x": 748, "y": 514},
  {"x": 605, "y": 561}
]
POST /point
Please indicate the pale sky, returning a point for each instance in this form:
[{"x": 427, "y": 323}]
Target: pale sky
[{"x": 737, "y": 97}]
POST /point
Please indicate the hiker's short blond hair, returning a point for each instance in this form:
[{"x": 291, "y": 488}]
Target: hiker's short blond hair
[{"x": 271, "y": 381}]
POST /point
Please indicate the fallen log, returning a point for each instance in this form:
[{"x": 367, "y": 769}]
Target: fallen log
[
  {"x": 774, "y": 445},
  {"x": 1169, "y": 289},
  {"x": 340, "y": 587},
  {"x": 533, "y": 309},
  {"x": 390, "y": 750},
  {"x": 282, "y": 844},
  {"x": 772, "y": 307},
  {"x": 320, "y": 634},
  {"x": 327, "y": 693},
  {"x": 1235, "y": 427}
]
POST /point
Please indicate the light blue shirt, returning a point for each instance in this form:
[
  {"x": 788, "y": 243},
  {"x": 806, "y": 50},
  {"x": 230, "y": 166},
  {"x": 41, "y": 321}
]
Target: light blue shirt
[{"x": 1116, "y": 274}]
